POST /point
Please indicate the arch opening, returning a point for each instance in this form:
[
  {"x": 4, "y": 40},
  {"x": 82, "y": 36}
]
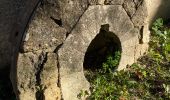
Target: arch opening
[{"x": 105, "y": 44}]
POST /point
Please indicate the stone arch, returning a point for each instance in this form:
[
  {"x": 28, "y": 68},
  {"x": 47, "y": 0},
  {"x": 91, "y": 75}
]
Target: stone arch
[{"x": 71, "y": 54}]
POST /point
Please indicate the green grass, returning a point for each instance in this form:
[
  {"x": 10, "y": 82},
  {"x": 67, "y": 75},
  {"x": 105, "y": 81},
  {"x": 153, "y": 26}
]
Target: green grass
[{"x": 148, "y": 79}]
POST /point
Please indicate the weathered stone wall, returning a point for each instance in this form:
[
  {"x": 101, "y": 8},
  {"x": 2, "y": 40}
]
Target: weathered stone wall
[
  {"x": 51, "y": 51},
  {"x": 64, "y": 29}
]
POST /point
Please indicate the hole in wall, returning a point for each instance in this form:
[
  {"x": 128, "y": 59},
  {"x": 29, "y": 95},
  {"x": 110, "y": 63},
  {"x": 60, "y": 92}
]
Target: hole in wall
[
  {"x": 57, "y": 21},
  {"x": 16, "y": 34},
  {"x": 105, "y": 43},
  {"x": 141, "y": 35}
]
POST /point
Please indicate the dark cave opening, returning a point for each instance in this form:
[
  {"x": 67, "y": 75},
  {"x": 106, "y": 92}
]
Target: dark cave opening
[{"x": 105, "y": 43}]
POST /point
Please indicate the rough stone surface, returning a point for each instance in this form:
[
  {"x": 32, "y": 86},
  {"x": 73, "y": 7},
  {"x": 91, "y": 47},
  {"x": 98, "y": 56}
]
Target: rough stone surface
[
  {"x": 49, "y": 78},
  {"x": 43, "y": 37},
  {"x": 28, "y": 64},
  {"x": 139, "y": 17},
  {"x": 52, "y": 93},
  {"x": 71, "y": 11},
  {"x": 43, "y": 33},
  {"x": 40, "y": 73},
  {"x": 130, "y": 7},
  {"x": 50, "y": 8},
  {"x": 137, "y": 11}
]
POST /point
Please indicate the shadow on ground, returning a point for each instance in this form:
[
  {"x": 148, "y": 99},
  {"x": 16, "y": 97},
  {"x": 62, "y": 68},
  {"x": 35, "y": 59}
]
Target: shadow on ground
[{"x": 6, "y": 90}]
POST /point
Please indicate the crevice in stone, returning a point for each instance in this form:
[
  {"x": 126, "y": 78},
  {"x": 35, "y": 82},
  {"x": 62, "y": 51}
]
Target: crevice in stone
[
  {"x": 40, "y": 94},
  {"x": 58, "y": 81},
  {"x": 58, "y": 22},
  {"x": 77, "y": 21},
  {"x": 135, "y": 53},
  {"x": 137, "y": 6},
  {"x": 57, "y": 48},
  {"x": 106, "y": 2},
  {"x": 141, "y": 35},
  {"x": 16, "y": 34},
  {"x": 126, "y": 11},
  {"x": 138, "y": 3},
  {"x": 42, "y": 60},
  {"x": 128, "y": 15},
  {"x": 67, "y": 34}
]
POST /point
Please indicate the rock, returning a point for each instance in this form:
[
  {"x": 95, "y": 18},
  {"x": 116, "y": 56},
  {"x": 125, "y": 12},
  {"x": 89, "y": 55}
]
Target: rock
[
  {"x": 52, "y": 92},
  {"x": 140, "y": 14},
  {"x": 49, "y": 73},
  {"x": 28, "y": 66},
  {"x": 146, "y": 34},
  {"x": 43, "y": 33},
  {"x": 130, "y": 7},
  {"x": 50, "y": 8},
  {"x": 37, "y": 76},
  {"x": 141, "y": 49},
  {"x": 49, "y": 78},
  {"x": 71, "y": 11}
]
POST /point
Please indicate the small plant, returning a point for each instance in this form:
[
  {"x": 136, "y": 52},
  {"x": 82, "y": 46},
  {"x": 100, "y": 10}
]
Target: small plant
[
  {"x": 111, "y": 63},
  {"x": 160, "y": 40},
  {"x": 83, "y": 94},
  {"x": 102, "y": 83}
]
